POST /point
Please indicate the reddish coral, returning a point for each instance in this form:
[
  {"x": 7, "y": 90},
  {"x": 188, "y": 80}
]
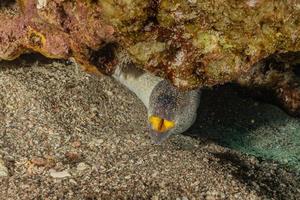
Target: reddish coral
[{"x": 62, "y": 29}]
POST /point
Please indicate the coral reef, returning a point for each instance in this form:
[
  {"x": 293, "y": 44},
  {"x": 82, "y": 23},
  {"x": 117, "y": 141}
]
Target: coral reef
[{"x": 194, "y": 43}]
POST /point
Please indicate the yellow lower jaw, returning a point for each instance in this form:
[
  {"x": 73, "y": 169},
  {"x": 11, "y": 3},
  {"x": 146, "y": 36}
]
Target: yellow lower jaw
[{"x": 160, "y": 125}]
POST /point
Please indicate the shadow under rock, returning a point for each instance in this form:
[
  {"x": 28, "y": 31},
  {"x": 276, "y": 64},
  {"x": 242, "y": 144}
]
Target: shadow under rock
[
  {"x": 242, "y": 124},
  {"x": 27, "y": 60}
]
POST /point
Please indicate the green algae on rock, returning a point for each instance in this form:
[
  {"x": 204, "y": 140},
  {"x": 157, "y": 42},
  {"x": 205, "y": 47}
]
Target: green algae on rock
[{"x": 221, "y": 38}]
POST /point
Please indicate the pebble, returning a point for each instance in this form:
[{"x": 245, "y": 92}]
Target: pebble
[
  {"x": 99, "y": 141},
  {"x": 155, "y": 198},
  {"x": 72, "y": 156},
  {"x": 61, "y": 174},
  {"x": 109, "y": 93},
  {"x": 76, "y": 144},
  {"x": 39, "y": 161},
  {"x": 82, "y": 166},
  {"x": 128, "y": 177},
  {"x": 73, "y": 181},
  {"x": 3, "y": 169}
]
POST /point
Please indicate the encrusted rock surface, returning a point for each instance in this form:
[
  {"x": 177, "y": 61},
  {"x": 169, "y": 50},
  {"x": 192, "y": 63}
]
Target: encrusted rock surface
[
  {"x": 56, "y": 29},
  {"x": 195, "y": 43}
]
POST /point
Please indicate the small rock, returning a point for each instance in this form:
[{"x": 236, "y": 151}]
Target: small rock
[
  {"x": 195, "y": 183},
  {"x": 109, "y": 93},
  {"x": 82, "y": 166},
  {"x": 127, "y": 177},
  {"x": 155, "y": 198},
  {"x": 39, "y": 162},
  {"x": 3, "y": 169},
  {"x": 56, "y": 174},
  {"x": 99, "y": 142},
  {"x": 72, "y": 157},
  {"x": 73, "y": 181},
  {"x": 125, "y": 157},
  {"x": 155, "y": 173},
  {"x": 76, "y": 144}
]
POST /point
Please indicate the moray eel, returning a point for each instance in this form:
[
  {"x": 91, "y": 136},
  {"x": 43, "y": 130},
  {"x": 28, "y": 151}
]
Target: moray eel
[{"x": 170, "y": 111}]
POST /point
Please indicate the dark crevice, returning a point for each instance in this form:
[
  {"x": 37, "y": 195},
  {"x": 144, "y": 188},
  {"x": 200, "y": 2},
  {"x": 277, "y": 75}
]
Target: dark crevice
[
  {"x": 105, "y": 58},
  {"x": 297, "y": 70},
  {"x": 282, "y": 63},
  {"x": 272, "y": 63},
  {"x": 7, "y": 3},
  {"x": 152, "y": 13},
  {"x": 29, "y": 59},
  {"x": 289, "y": 57},
  {"x": 94, "y": 1}
]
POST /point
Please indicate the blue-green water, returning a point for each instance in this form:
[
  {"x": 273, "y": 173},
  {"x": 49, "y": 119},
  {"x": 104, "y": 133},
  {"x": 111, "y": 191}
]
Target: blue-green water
[{"x": 259, "y": 129}]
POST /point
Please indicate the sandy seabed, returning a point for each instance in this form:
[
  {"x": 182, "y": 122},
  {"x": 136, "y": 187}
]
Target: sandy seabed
[{"x": 65, "y": 134}]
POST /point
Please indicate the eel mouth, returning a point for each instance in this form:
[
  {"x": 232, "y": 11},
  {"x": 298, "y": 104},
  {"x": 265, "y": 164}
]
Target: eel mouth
[{"x": 161, "y": 125}]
